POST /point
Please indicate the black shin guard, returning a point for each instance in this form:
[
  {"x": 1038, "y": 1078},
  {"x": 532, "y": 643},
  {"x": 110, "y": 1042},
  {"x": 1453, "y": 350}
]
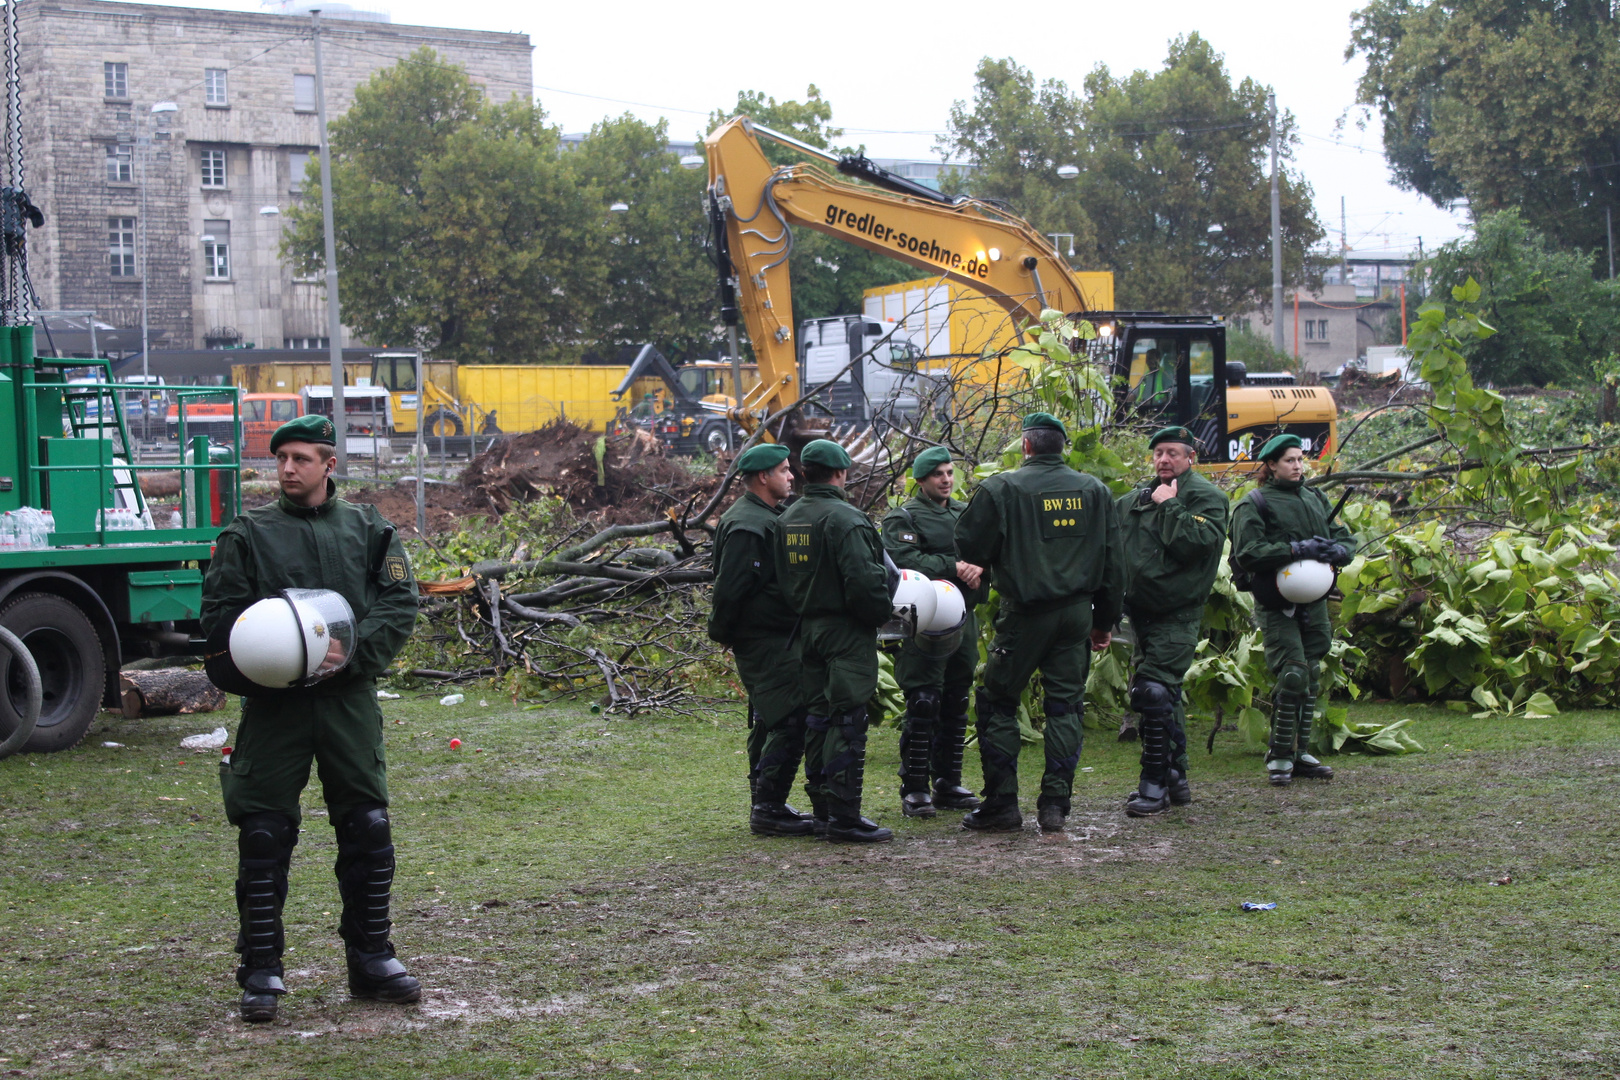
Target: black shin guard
[
  {"x": 365, "y": 874},
  {"x": 264, "y": 850}
]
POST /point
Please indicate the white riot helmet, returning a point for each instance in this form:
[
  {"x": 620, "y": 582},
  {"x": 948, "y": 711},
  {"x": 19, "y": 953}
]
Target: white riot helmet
[
  {"x": 941, "y": 634},
  {"x": 1305, "y": 581},
  {"x": 295, "y": 638},
  {"x": 914, "y": 599}
]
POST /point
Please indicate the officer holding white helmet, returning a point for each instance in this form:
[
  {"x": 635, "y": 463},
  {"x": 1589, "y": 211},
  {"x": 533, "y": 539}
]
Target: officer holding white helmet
[
  {"x": 1283, "y": 538},
  {"x": 306, "y": 601}
]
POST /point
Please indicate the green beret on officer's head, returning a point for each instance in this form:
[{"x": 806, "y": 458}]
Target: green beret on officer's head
[
  {"x": 1277, "y": 445},
  {"x": 928, "y": 461},
  {"x": 1046, "y": 420},
  {"x": 827, "y": 454},
  {"x": 762, "y": 457},
  {"x": 1175, "y": 433},
  {"x": 310, "y": 429}
]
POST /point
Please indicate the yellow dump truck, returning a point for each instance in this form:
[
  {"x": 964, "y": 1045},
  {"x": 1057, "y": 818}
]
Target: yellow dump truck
[
  {"x": 460, "y": 399},
  {"x": 945, "y": 319}
]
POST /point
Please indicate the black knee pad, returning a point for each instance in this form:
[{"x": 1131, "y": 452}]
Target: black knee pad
[
  {"x": 1148, "y": 695},
  {"x": 266, "y": 837},
  {"x": 1293, "y": 679},
  {"x": 990, "y": 705},
  {"x": 1054, "y": 707},
  {"x": 923, "y": 704},
  {"x": 796, "y": 720},
  {"x": 955, "y": 705},
  {"x": 365, "y": 829}
]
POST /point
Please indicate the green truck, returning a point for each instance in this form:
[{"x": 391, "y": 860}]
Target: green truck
[{"x": 87, "y": 583}]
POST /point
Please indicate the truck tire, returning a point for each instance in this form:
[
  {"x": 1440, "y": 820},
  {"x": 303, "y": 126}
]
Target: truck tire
[
  {"x": 712, "y": 438},
  {"x": 72, "y": 670},
  {"x": 442, "y": 422}
]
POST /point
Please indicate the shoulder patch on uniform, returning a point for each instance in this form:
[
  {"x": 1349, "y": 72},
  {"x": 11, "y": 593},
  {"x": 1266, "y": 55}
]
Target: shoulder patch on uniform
[
  {"x": 909, "y": 538},
  {"x": 395, "y": 567}
]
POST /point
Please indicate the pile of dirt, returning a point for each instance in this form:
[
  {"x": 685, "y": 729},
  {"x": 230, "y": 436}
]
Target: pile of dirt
[{"x": 611, "y": 480}]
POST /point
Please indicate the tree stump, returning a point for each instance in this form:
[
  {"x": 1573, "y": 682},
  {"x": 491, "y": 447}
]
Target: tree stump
[{"x": 166, "y": 691}]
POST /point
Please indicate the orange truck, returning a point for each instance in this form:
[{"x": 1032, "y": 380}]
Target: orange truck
[{"x": 261, "y": 415}]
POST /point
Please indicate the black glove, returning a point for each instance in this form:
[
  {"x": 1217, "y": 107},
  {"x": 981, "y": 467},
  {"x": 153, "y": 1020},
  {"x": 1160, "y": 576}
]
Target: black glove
[
  {"x": 1314, "y": 548},
  {"x": 1337, "y": 555}
]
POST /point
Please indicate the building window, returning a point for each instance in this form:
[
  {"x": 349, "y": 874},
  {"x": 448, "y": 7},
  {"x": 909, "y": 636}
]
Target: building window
[
  {"x": 116, "y": 77},
  {"x": 1316, "y": 329},
  {"x": 307, "y": 343},
  {"x": 1321, "y": 330},
  {"x": 121, "y": 246},
  {"x": 214, "y": 87},
  {"x": 213, "y": 168},
  {"x": 297, "y": 168},
  {"x": 303, "y": 93},
  {"x": 118, "y": 163},
  {"x": 216, "y": 243}
]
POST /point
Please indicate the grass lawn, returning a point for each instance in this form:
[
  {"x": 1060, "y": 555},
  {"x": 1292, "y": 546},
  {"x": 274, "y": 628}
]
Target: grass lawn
[{"x": 580, "y": 896}]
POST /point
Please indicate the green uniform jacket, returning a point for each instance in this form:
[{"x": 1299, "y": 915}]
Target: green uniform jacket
[
  {"x": 1172, "y": 549},
  {"x": 1052, "y": 536},
  {"x": 1293, "y": 512},
  {"x": 921, "y": 536},
  {"x": 829, "y": 559},
  {"x": 330, "y": 546},
  {"x": 747, "y": 597}
]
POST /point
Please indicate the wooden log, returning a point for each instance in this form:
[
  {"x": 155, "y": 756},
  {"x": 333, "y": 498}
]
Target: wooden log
[{"x": 165, "y": 691}]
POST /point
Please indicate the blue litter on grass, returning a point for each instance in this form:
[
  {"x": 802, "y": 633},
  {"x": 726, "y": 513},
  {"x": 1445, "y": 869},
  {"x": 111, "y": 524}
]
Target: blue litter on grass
[{"x": 1249, "y": 905}]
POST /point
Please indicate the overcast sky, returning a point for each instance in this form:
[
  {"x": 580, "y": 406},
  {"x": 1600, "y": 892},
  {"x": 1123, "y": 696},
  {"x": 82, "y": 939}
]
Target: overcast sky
[{"x": 891, "y": 71}]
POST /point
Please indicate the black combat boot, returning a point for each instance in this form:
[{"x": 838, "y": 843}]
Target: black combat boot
[
  {"x": 949, "y": 737},
  {"x": 916, "y": 743},
  {"x": 1051, "y": 815},
  {"x": 1284, "y": 723},
  {"x": 846, "y": 775},
  {"x": 365, "y": 873},
  {"x": 1180, "y": 790},
  {"x": 998, "y": 813},
  {"x": 772, "y": 816},
  {"x": 1153, "y": 702},
  {"x": 264, "y": 848},
  {"x": 1308, "y": 766}
]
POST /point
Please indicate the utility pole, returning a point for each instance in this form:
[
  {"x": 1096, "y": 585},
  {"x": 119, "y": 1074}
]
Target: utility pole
[
  {"x": 1608, "y": 225},
  {"x": 334, "y": 325},
  {"x": 1276, "y": 235},
  {"x": 1344, "y": 246}
]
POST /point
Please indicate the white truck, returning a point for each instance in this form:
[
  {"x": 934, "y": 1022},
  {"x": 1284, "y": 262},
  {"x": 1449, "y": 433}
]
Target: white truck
[{"x": 870, "y": 368}]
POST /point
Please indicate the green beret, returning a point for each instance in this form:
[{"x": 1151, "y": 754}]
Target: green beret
[
  {"x": 762, "y": 457},
  {"x": 1277, "y": 444},
  {"x": 1175, "y": 433},
  {"x": 311, "y": 429},
  {"x": 1047, "y": 420},
  {"x": 826, "y": 453},
  {"x": 928, "y": 461}
]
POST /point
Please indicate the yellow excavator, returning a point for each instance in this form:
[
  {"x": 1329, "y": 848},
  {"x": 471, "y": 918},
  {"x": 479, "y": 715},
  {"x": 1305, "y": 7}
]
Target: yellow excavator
[{"x": 1170, "y": 367}]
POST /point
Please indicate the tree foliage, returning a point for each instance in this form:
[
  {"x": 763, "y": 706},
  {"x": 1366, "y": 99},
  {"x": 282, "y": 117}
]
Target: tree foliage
[
  {"x": 1173, "y": 191},
  {"x": 1554, "y": 321},
  {"x": 1510, "y": 103}
]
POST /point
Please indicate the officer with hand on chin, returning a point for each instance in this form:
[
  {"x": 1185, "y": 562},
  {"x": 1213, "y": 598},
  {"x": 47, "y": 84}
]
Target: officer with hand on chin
[
  {"x": 309, "y": 539},
  {"x": 1173, "y": 529}
]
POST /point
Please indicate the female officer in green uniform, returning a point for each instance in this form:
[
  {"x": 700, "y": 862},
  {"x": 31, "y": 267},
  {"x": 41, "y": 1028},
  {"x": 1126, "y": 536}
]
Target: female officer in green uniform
[{"x": 1279, "y": 522}]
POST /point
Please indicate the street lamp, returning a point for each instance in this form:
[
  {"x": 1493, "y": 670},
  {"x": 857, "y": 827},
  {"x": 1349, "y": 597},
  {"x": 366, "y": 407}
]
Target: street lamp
[
  {"x": 144, "y": 146},
  {"x": 692, "y": 161},
  {"x": 1068, "y": 172},
  {"x": 619, "y": 207},
  {"x": 1056, "y": 236}
]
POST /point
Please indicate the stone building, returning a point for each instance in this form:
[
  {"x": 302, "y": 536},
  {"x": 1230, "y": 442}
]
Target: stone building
[
  {"x": 211, "y": 176},
  {"x": 1324, "y": 329}
]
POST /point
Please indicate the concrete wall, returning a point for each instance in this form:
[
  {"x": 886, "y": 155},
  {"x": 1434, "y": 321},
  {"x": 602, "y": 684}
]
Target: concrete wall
[
  {"x": 69, "y": 122},
  {"x": 1351, "y": 326}
]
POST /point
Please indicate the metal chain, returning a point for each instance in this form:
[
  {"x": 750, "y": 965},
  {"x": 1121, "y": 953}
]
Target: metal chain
[{"x": 16, "y": 290}]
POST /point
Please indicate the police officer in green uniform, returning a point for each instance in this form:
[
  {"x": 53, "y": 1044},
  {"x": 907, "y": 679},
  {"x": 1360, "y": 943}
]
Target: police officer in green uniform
[
  {"x": 311, "y": 539},
  {"x": 1051, "y": 537},
  {"x": 751, "y": 615},
  {"x": 921, "y": 535},
  {"x": 829, "y": 560},
  {"x": 1174, "y": 529},
  {"x": 1280, "y": 522}
]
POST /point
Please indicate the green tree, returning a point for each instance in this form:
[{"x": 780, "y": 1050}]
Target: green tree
[
  {"x": 829, "y": 275},
  {"x": 660, "y": 285},
  {"x": 1509, "y": 103},
  {"x": 460, "y": 228},
  {"x": 1553, "y": 321},
  {"x": 1173, "y": 194}
]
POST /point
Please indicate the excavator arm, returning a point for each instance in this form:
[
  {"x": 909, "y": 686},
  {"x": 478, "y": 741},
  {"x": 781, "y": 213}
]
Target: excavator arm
[{"x": 754, "y": 206}]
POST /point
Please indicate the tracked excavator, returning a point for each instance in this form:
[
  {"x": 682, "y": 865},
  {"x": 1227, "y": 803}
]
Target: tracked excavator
[{"x": 1171, "y": 368}]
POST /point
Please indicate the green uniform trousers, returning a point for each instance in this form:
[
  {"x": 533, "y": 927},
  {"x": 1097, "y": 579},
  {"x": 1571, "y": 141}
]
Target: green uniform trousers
[
  {"x": 840, "y": 674},
  {"x": 951, "y": 677},
  {"x": 1165, "y": 645},
  {"x": 279, "y": 738},
  {"x": 769, "y": 668},
  {"x": 1058, "y": 644},
  {"x": 1300, "y": 639}
]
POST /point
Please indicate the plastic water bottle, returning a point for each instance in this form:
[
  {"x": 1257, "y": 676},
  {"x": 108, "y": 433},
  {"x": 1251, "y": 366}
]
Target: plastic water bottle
[
  {"x": 8, "y": 533},
  {"x": 452, "y": 699},
  {"x": 50, "y": 527}
]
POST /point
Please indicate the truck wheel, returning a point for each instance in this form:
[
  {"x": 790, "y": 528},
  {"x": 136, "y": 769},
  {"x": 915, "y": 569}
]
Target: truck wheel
[
  {"x": 712, "y": 438},
  {"x": 442, "y": 422},
  {"x": 72, "y": 670}
]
